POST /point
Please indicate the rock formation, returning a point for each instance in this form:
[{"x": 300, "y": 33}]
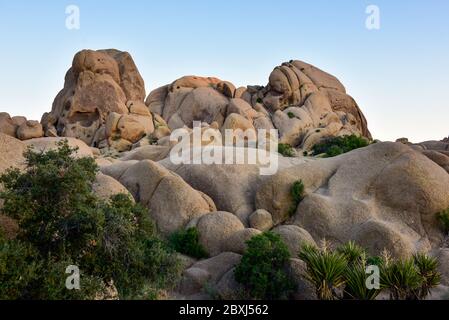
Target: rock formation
[
  {"x": 101, "y": 102},
  {"x": 384, "y": 196}
]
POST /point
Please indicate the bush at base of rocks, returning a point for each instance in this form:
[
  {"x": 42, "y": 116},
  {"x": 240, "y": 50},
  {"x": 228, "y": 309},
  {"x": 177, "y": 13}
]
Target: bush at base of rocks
[
  {"x": 187, "y": 242},
  {"x": 62, "y": 222},
  {"x": 262, "y": 269}
]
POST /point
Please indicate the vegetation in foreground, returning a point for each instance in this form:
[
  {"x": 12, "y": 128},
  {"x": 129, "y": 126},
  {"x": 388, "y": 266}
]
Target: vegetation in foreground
[
  {"x": 262, "y": 270},
  {"x": 342, "y": 273},
  {"x": 187, "y": 242},
  {"x": 62, "y": 222}
]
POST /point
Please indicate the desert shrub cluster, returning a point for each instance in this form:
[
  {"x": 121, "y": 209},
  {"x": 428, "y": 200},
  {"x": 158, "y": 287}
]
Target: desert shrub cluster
[
  {"x": 335, "y": 146},
  {"x": 62, "y": 222}
]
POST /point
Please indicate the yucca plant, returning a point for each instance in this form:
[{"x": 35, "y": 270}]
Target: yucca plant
[
  {"x": 352, "y": 252},
  {"x": 428, "y": 271},
  {"x": 325, "y": 270},
  {"x": 355, "y": 282},
  {"x": 401, "y": 278}
]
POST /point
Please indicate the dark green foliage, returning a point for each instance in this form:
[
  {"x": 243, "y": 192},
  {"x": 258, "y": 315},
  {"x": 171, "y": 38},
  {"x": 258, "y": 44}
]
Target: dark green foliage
[
  {"x": 187, "y": 242},
  {"x": 346, "y": 269},
  {"x": 259, "y": 100},
  {"x": 428, "y": 271},
  {"x": 355, "y": 282},
  {"x": 63, "y": 222},
  {"x": 291, "y": 115},
  {"x": 444, "y": 219},
  {"x": 262, "y": 269},
  {"x": 335, "y": 146},
  {"x": 51, "y": 284},
  {"x": 286, "y": 150},
  {"x": 374, "y": 261},
  {"x": 19, "y": 268},
  {"x": 352, "y": 252},
  {"x": 53, "y": 200},
  {"x": 325, "y": 270},
  {"x": 297, "y": 194},
  {"x": 402, "y": 279}
]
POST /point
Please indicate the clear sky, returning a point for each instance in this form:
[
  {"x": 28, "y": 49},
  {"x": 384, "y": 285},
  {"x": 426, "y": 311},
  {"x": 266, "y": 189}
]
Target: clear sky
[{"x": 398, "y": 74}]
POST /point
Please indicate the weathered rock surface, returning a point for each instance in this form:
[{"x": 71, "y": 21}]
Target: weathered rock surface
[
  {"x": 100, "y": 83},
  {"x": 207, "y": 272},
  {"x": 45, "y": 144},
  {"x": 171, "y": 201},
  {"x": 383, "y": 196},
  {"x": 214, "y": 230},
  {"x": 11, "y": 152},
  {"x": 19, "y": 127},
  {"x": 294, "y": 237}
]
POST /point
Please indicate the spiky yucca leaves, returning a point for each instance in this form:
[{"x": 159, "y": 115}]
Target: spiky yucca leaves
[
  {"x": 428, "y": 271},
  {"x": 355, "y": 282},
  {"x": 401, "y": 278},
  {"x": 325, "y": 270},
  {"x": 352, "y": 252}
]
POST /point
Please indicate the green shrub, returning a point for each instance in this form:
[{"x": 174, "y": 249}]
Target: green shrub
[
  {"x": 259, "y": 100},
  {"x": 52, "y": 283},
  {"x": 352, "y": 252},
  {"x": 444, "y": 219},
  {"x": 60, "y": 216},
  {"x": 335, "y": 146},
  {"x": 19, "y": 268},
  {"x": 325, "y": 270},
  {"x": 291, "y": 115},
  {"x": 187, "y": 242},
  {"x": 297, "y": 194},
  {"x": 428, "y": 271},
  {"x": 401, "y": 278},
  {"x": 286, "y": 150},
  {"x": 355, "y": 282},
  {"x": 262, "y": 270},
  {"x": 53, "y": 201}
]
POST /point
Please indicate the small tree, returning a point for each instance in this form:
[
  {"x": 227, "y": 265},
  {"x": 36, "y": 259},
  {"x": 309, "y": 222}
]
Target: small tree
[
  {"x": 262, "y": 270},
  {"x": 63, "y": 222}
]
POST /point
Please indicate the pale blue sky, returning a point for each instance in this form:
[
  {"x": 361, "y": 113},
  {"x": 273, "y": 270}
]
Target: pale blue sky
[{"x": 399, "y": 74}]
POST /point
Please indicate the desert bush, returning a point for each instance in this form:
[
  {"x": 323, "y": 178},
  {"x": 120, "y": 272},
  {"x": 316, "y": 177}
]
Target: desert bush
[
  {"x": 401, "y": 278},
  {"x": 428, "y": 271},
  {"x": 341, "y": 273},
  {"x": 325, "y": 270},
  {"x": 19, "y": 268},
  {"x": 286, "y": 150},
  {"x": 187, "y": 242},
  {"x": 335, "y": 146},
  {"x": 297, "y": 194},
  {"x": 262, "y": 270},
  {"x": 352, "y": 252},
  {"x": 444, "y": 220},
  {"x": 355, "y": 282},
  {"x": 62, "y": 219},
  {"x": 291, "y": 115}
]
